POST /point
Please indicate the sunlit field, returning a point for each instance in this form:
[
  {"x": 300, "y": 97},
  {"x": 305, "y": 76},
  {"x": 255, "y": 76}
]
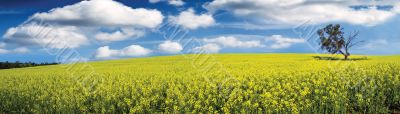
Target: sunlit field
[{"x": 219, "y": 83}]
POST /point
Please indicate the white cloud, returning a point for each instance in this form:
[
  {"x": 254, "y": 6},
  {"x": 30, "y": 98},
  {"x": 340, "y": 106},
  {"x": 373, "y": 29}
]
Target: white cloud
[
  {"x": 190, "y": 20},
  {"x": 72, "y": 26},
  {"x": 176, "y": 2},
  {"x": 101, "y": 13},
  {"x": 171, "y": 2},
  {"x": 16, "y": 50},
  {"x": 105, "y": 52},
  {"x": 119, "y": 35},
  {"x": 396, "y": 7},
  {"x": 135, "y": 50},
  {"x": 214, "y": 45},
  {"x": 52, "y": 37},
  {"x": 131, "y": 51},
  {"x": 170, "y": 47},
  {"x": 295, "y": 12},
  {"x": 207, "y": 48},
  {"x": 21, "y": 50},
  {"x": 280, "y": 42},
  {"x": 233, "y": 42}
]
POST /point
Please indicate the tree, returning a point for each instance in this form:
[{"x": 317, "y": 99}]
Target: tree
[
  {"x": 17, "y": 64},
  {"x": 332, "y": 40}
]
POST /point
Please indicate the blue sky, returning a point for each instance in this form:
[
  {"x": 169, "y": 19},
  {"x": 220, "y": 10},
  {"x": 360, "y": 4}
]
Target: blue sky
[{"x": 106, "y": 29}]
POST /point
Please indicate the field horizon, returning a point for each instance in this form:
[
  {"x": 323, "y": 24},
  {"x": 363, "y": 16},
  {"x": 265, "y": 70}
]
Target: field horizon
[{"x": 311, "y": 55}]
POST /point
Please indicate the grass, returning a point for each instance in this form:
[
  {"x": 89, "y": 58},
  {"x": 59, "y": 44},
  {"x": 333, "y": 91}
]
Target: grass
[{"x": 218, "y": 83}]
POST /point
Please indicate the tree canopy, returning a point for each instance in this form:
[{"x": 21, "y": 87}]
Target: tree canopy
[{"x": 332, "y": 40}]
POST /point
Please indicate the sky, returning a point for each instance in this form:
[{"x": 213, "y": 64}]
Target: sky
[{"x": 74, "y": 30}]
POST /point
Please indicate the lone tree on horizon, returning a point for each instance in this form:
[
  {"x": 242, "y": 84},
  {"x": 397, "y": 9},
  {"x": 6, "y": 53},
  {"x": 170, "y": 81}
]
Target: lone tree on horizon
[{"x": 332, "y": 40}]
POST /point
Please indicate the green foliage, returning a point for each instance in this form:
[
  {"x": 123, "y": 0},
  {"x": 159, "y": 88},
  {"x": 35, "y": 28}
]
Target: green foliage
[
  {"x": 331, "y": 38},
  {"x": 248, "y": 83},
  {"x": 17, "y": 64}
]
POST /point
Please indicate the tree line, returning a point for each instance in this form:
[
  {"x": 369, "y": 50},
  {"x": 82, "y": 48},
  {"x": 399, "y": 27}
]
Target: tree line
[{"x": 17, "y": 64}]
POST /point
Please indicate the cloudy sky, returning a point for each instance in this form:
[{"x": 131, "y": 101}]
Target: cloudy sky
[{"x": 44, "y": 30}]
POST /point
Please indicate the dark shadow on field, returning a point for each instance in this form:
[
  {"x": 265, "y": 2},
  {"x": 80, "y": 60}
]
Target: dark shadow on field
[{"x": 337, "y": 58}]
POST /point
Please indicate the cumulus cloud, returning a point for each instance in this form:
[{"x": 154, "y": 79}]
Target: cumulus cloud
[
  {"x": 280, "y": 42},
  {"x": 214, "y": 45},
  {"x": 171, "y": 2},
  {"x": 74, "y": 25},
  {"x": 105, "y": 52},
  {"x": 170, "y": 47},
  {"x": 207, "y": 48},
  {"x": 135, "y": 50},
  {"x": 52, "y": 37},
  {"x": 119, "y": 35},
  {"x": 295, "y": 12},
  {"x": 16, "y": 50},
  {"x": 233, "y": 42},
  {"x": 101, "y": 13},
  {"x": 190, "y": 20},
  {"x": 176, "y": 2},
  {"x": 131, "y": 51}
]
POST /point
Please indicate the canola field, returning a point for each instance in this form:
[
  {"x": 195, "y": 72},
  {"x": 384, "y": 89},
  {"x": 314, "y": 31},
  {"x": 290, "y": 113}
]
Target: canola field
[{"x": 218, "y": 83}]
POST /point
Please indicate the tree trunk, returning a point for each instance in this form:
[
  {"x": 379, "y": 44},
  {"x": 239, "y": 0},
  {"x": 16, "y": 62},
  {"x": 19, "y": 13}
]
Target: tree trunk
[{"x": 346, "y": 55}]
